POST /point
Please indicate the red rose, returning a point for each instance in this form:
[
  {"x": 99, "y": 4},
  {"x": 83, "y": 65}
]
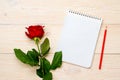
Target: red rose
[{"x": 35, "y": 31}]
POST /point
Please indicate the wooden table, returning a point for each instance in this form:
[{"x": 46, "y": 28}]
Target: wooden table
[{"x": 15, "y": 15}]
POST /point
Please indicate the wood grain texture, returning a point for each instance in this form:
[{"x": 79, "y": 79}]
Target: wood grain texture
[
  {"x": 52, "y": 12},
  {"x": 15, "y": 37},
  {"x": 13, "y": 69},
  {"x": 15, "y": 15}
]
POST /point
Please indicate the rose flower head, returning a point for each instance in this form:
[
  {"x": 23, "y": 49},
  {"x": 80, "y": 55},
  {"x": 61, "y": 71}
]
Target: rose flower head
[{"x": 34, "y": 31}]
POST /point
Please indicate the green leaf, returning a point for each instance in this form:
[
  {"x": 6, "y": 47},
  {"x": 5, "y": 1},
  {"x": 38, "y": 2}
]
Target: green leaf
[
  {"x": 21, "y": 56},
  {"x": 44, "y": 67},
  {"x": 45, "y": 46},
  {"x": 57, "y": 60},
  {"x": 36, "y": 52},
  {"x": 48, "y": 76},
  {"x": 34, "y": 60},
  {"x": 30, "y": 58}
]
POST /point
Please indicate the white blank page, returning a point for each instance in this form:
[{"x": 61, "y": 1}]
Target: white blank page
[{"x": 78, "y": 38}]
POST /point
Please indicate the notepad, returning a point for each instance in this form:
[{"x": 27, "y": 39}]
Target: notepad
[{"x": 78, "y": 38}]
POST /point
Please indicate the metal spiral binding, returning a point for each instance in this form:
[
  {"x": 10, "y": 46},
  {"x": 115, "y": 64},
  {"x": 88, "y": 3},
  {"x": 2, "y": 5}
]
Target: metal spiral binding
[{"x": 82, "y": 14}]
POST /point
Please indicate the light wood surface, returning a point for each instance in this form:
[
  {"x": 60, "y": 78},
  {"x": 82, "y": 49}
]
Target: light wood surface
[{"x": 15, "y": 15}]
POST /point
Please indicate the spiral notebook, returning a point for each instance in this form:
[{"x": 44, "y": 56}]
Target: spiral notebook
[{"x": 78, "y": 38}]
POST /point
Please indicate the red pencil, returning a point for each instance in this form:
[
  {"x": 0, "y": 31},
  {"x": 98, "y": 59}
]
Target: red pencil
[{"x": 102, "y": 50}]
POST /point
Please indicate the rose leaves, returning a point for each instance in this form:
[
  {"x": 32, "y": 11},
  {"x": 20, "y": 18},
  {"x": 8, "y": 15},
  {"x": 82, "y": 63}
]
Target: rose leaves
[
  {"x": 30, "y": 58},
  {"x": 57, "y": 60},
  {"x": 33, "y": 58},
  {"x": 45, "y": 47}
]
